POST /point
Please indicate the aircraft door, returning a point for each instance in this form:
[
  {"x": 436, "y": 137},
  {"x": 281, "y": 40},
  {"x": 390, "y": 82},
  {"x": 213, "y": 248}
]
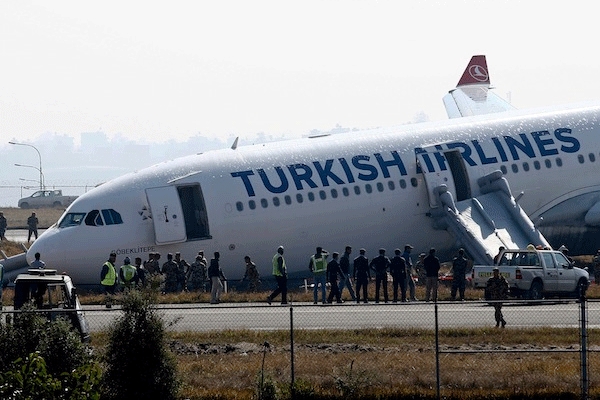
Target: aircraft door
[
  {"x": 443, "y": 168},
  {"x": 167, "y": 215}
]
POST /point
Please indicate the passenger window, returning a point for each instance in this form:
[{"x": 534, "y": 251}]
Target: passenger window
[
  {"x": 402, "y": 183},
  {"x": 345, "y": 192},
  {"x": 525, "y": 166},
  {"x": 276, "y": 201},
  {"x": 252, "y": 204},
  {"x": 322, "y": 194},
  {"x": 391, "y": 185},
  {"x": 548, "y": 261},
  {"x": 264, "y": 203},
  {"x": 368, "y": 188},
  {"x": 592, "y": 157},
  {"x": 334, "y": 193},
  {"x": 503, "y": 169},
  {"x": 299, "y": 198},
  {"x": 240, "y": 206},
  {"x": 548, "y": 163},
  {"x": 580, "y": 159},
  {"x": 357, "y": 189},
  {"x": 380, "y": 187},
  {"x": 536, "y": 165},
  {"x": 414, "y": 182},
  {"x": 515, "y": 168},
  {"x": 558, "y": 162},
  {"x": 311, "y": 196},
  {"x": 288, "y": 200}
]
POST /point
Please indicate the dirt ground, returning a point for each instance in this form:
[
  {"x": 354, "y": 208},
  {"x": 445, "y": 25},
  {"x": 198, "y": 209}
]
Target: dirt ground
[{"x": 17, "y": 217}]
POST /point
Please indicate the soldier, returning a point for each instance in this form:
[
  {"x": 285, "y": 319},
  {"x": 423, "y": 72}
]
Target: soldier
[
  {"x": 398, "y": 271},
  {"x": 169, "y": 270},
  {"x": 318, "y": 267},
  {"x": 196, "y": 274},
  {"x": 459, "y": 268},
  {"x": 333, "y": 270},
  {"x": 380, "y": 265},
  {"x": 182, "y": 268},
  {"x": 348, "y": 272},
  {"x": 409, "y": 266},
  {"x": 32, "y": 225},
  {"x": 149, "y": 264},
  {"x": 596, "y": 267},
  {"x": 497, "y": 289},
  {"x": 362, "y": 275},
  {"x": 141, "y": 271},
  {"x": 432, "y": 268},
  {"x": 251, "y": 275}
]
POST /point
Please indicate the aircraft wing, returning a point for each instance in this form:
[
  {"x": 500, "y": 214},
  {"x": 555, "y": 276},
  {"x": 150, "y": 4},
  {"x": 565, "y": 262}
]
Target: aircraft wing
[{"x": 473, "y": 95}]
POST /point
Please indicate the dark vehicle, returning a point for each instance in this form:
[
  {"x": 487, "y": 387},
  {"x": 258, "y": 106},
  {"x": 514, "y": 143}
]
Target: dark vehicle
[{"x": 53, "y": 292}]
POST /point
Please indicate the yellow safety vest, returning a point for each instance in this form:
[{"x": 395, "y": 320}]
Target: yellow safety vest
[
  {"x": 276, "y": 271},
  {"x": 111, "y": 275},
  {"x": 319, "y": 264},
  {"x": 128, "y": 272}
]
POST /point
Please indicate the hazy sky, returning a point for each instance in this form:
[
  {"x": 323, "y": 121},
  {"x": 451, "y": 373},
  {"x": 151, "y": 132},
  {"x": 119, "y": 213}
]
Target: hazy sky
[{"x": 169, "y": 70}]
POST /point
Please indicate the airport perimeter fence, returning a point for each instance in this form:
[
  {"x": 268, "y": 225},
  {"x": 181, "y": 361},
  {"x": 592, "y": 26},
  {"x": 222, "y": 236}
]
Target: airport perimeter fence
[
  {"x": 435, "y": 349},
  {"x": 431, "y": 349}
]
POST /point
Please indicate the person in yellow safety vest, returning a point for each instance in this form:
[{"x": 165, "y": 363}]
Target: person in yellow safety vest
[
  {"x": 108, "y": 278},
  {"x": 318, "y": 266},
  {"x": 128, "y": 274},
  {"x": 280, "y": 274}
]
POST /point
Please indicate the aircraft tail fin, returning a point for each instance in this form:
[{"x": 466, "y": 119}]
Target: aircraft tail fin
[{"x": 472, "y": 95}]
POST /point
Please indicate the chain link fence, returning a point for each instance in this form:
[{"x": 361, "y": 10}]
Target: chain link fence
[{"x": 424, "y": 348}]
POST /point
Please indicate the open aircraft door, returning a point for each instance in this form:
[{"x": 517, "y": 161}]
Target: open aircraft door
[
  {"x": 167, "y": 215},
  {"x": 443, "y": 168}
]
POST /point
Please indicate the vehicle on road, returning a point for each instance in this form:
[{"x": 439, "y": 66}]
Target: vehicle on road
[
  {"x": 535, "y": 274},
  {"x": 54, "y": 293},
  {"x": 46, "y": 198}
]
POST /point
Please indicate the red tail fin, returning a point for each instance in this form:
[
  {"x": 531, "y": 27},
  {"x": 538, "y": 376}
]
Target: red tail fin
[{"x": 476, "y": 72}]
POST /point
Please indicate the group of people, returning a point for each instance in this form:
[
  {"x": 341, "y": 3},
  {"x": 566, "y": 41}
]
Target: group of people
[
  {"x": 178, "y": 274},
  {"x": 32, "y": 226},
  {"x": 356, "y": 274}
]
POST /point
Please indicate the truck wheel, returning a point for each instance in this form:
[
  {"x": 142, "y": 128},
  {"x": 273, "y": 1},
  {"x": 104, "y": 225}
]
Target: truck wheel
[
  {"x": 24, "y": 205},
  {"x": 535, "y": 293}
]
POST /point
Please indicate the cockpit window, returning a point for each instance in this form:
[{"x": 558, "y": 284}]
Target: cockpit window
[
  {"x": 93, "y": 218},
  {"x": 111, "y": 217},
  {"x": 71, "y": 219}
]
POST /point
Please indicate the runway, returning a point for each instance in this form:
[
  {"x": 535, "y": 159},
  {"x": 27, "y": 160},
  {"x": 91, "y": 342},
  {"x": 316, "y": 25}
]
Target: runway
[{"x": 418, "y": 315}]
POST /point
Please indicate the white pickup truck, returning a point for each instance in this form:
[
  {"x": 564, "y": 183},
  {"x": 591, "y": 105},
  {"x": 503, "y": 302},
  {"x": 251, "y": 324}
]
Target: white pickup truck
[
  {"x": 535, "y": 274},
  {"x": 46, "y": 198}
]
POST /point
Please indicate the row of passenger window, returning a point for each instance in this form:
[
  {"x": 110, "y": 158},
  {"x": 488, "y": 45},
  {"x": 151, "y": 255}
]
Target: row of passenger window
[
  {"x": 287, "y": 199},
  {"x": 322, "y": 194},
  {"x": 547, "y": 162}
]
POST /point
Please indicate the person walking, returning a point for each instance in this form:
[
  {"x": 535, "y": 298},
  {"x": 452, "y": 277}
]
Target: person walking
[
  {"x": 3, "y": 226},
  {"x": 108, "y": 278},
  {"x": 197, "y": 274},
  {"x": 318, "y": 266},
  {"x": 410, "y": 282},
  {"x": 141, "y": 271},
  {"x": 182, "y": 268},
  {"x": 38, "y": 263},
  {"x": 348, "y": 272},
  {"x": 333, "y": 270},
  {"x": 362, "y": 275},
  {"x": 280, "y": 274},
  {"x": 169, "y": 270},
  {"x": 432, "y": 267},
  {"x": 128, "y": 274},
  {"x": 459, "y": 270},
  {"x": 32, "y": 225},
  {"x": 398, "y": 272},
  {"x": 251, "y": 275},
  {"x": 380, "y": 265},
  {"x": 497, "y": 289},
  {"x": 215, "y": 274}
]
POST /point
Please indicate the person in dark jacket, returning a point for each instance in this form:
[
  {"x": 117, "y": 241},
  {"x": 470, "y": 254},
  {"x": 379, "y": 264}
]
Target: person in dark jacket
[
  {"x": 398, "y": 272},
  {"x": 432, "y": 267},
  {"x": 362, "y": 275},
  {"x": 215, "y": 274},
  {"x": 348, "y": 271},
  {"x": 380, "y": 265},
  {"x": 333, "y": 270},
  {"x": 459, "y": 270},
  {"x": 497, "y": 289}
]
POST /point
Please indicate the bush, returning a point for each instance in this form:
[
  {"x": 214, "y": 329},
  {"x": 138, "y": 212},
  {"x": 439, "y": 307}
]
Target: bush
[{"x": 139, "y": 363}]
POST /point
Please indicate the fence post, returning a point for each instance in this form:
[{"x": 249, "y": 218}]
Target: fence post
[
  {"x": 292, "y": 386},
  {"x": 583, "y": 347},
  {"x": 437, "y": 351}
]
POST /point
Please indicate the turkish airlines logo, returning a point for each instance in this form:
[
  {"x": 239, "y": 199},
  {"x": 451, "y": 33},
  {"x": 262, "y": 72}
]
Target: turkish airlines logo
[{"x": 478, "y": 73}]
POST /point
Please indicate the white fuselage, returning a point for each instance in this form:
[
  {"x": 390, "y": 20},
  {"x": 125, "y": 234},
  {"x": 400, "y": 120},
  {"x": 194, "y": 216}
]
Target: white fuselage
[{"x": 361, "y": 189}]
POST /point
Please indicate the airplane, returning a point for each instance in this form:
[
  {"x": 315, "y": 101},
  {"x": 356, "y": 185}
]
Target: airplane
[{"x": 426, "y": 184}]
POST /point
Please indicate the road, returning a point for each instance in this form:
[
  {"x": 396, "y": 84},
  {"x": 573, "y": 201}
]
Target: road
[{"x": 420, "y": 315}]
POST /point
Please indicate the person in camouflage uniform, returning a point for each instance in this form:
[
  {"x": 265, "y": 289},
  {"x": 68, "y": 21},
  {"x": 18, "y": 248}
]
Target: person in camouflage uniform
[
  {"x": 196, "y": 273},
  {"x": 251, "y": 275},
  {"x": 169, "y": 270},
  {"x": 182, "y": 268},
  {"x": 497, "y": 289},
  {"x": 459, "y": 269}
]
